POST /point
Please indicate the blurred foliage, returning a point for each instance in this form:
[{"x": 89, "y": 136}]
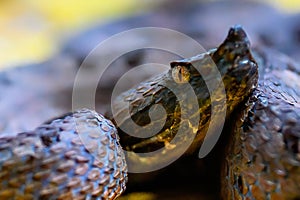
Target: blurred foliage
[
  {"x": 287, "y": 5},
  {"x": 31, "y": 29}
]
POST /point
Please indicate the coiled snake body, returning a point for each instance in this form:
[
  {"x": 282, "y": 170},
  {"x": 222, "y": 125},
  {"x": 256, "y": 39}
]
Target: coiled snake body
[{"x": 78, "y": 156}]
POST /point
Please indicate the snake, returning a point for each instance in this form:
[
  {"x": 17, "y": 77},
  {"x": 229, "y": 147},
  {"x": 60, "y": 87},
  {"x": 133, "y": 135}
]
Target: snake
[{"x": 84, "y": 155}]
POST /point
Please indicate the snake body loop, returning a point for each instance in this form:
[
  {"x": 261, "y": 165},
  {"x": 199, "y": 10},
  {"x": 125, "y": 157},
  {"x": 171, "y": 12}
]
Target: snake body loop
[
  {"x": 263, "y": 154},
  {"x": 51, "y": 162}
]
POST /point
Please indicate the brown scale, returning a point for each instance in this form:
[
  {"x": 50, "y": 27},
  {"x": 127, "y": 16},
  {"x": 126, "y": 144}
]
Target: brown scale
[
  {"x": 51, "y": 162},
  {"x": 263, "y": 154}
]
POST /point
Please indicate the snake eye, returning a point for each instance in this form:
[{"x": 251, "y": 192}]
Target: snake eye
[{"x": 180, "y": 74}]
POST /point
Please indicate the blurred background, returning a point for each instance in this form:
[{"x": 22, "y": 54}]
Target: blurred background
[{"x": 32, "y": 31}]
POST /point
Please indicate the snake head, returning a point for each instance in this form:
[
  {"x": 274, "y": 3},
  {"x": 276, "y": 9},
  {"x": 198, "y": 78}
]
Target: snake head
[
  {"x": 232, "y": 60},
  {"x": 237, "y": 66},
  {"x": 184, "y": 92},
  {"x": 235, "y": 45}
]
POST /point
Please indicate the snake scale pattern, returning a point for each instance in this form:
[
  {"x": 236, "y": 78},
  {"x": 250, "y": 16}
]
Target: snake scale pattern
[
  {"x": 78, "y": 156},
  {"x": 264, "y": 158},
  {"x": 51, "y": 162}
]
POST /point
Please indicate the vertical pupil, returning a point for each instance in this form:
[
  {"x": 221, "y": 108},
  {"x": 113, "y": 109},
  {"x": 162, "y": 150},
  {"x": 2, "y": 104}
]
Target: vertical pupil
[{"x": 180, "y": 74}]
